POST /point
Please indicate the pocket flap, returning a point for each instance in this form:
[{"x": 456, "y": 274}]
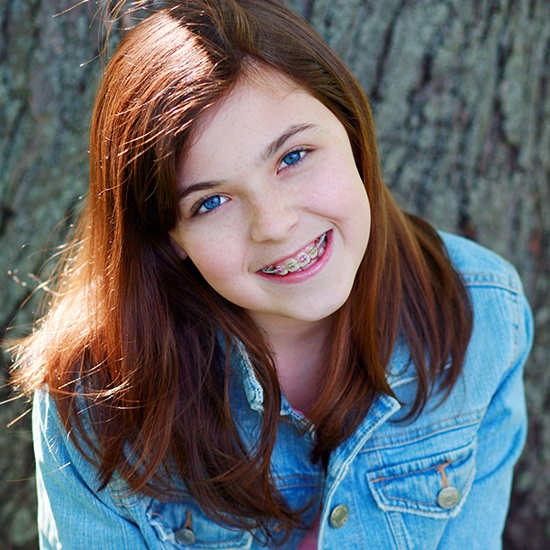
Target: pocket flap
[
  {"x": 185, "y": 525},
  {"x": 436, "y": 486}
]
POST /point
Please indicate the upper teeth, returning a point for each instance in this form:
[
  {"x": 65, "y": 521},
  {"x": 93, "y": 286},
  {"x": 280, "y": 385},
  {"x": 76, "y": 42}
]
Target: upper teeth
[{"x": 304, "y": 258}]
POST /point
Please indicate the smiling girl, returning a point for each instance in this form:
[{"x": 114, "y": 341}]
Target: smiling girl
[{"x": 251, "y": 345}]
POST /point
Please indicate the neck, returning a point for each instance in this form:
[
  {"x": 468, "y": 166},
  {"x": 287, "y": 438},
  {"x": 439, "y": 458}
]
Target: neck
[{"x": 300, "y": 350}]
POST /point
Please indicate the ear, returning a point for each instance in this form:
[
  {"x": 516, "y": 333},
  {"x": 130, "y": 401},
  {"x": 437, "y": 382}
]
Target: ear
[{"x": 178, "y": 249}]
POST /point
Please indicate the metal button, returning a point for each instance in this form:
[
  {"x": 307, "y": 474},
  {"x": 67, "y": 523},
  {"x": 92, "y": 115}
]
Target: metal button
[
  {"x": 185, "y": 536},
  {"x": 448, "y": 497},
  {"x": 339, "y": 516}
]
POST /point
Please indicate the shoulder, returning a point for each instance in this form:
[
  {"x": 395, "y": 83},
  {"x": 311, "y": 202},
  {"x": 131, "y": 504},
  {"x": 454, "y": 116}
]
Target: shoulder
[
  {"x": 480, "y": 266},
  {"x": 467, "y": 437},
  {"x": 503, "y": 325}
]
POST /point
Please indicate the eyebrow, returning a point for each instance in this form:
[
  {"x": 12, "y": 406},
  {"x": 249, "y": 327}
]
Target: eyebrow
[
  {"x": 278, "y": 142},
  {"x": 268, "y": 152}
]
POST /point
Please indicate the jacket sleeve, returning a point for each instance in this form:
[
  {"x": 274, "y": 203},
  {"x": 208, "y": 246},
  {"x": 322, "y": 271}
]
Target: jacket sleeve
[
  {"x": 72, "y": 514},
  {"x": 500, "y": 441}
]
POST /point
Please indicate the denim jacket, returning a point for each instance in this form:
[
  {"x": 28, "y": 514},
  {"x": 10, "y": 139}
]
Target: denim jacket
[{"x": 441, "y": 480}]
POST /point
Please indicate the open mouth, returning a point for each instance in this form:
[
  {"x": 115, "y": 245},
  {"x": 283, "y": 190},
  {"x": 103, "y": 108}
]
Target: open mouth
[{"x": 303, "y": 260}]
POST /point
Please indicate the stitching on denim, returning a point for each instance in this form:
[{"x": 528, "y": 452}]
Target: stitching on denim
[
  {"x": 497, "y": 284},
  {"x": 516, "y": 324},
  {"x": 437, "y": 468},
  {"x": 414, "y": 472},
  {"x": 398, "y": 530},
  {"x": 156, "y": 520},
  {"x": 427, "y": 432}
]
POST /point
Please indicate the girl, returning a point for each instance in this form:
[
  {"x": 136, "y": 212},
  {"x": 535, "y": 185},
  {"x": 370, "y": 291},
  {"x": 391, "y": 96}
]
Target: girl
[{"x": 251, "y": 346}]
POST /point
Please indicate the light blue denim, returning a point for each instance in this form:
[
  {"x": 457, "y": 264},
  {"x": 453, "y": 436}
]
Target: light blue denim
[{"x": 388, "y": 474}]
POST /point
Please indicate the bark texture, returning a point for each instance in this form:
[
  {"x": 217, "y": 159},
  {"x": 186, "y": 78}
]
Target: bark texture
[
  {"x": 460, "y": 93},
  {"x": 45, "y": 105}
]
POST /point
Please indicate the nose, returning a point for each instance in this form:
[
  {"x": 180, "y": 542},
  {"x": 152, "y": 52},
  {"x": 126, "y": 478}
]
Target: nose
[{"x": 272, "y": 216}]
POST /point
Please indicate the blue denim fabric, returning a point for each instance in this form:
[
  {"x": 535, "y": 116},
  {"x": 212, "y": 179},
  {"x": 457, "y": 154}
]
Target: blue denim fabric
[{"x": 389, "y": 474}]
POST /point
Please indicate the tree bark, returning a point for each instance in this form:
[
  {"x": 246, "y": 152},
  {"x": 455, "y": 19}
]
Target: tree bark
[
  {"x": 460, "y": 96},
  {"x": 48, "y": 73},
  {"x": 459, "y": 90}
]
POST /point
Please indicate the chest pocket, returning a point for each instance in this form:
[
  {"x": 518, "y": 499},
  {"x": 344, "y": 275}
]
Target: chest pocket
[
  {"x": 185, "y": 525},
  {"x": 435, "y": 486},
  {"x": 181, "y": 525}
]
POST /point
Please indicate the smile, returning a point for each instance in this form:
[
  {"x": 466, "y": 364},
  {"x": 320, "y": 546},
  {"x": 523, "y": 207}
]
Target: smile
[{"x": 303, "y": 261}]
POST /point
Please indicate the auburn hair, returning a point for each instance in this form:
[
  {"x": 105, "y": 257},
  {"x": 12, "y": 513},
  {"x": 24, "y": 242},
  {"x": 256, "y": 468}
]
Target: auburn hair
[{"x": 135, "y": 336}]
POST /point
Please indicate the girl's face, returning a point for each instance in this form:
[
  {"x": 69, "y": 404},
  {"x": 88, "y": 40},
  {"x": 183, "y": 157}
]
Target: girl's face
[{"x": 274, "y": 213}]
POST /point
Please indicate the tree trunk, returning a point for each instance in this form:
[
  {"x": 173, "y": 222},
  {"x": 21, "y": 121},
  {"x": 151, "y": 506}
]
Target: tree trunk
[
  {"x": 459, "y": 90},
  {"x": 460, "y": 95},
  {"x": 45, "y": 104}
]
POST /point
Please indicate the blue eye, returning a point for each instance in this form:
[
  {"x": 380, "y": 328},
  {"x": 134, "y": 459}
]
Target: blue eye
[
  {"x": 293, "y": 157},
  {"x": 210, "y": 203}
]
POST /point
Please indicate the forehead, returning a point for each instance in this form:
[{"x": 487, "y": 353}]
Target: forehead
[
  {"x": 257, "y": 83},
  {"x": 262, "y": 105}
]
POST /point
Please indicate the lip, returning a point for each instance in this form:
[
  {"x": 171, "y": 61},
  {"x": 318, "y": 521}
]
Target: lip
[{"x": 299, "y": 276}]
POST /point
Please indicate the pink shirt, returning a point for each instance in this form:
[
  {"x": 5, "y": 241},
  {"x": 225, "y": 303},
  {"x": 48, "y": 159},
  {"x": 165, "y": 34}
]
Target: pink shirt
[{"x": 310, "y": 542}]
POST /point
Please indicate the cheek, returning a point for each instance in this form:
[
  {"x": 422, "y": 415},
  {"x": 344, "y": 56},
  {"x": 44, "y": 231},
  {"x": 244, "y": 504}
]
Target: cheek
[
  {"x": 213, "y": 267},
  {"x": 174, "y": 242},
  {"x": 212, "y": 252},
  {"x": 352, "y": 207},
  {"x": 344, "y": 192}
]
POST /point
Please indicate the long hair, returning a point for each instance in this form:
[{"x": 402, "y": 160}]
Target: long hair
[{"x": 135, "y": 331}]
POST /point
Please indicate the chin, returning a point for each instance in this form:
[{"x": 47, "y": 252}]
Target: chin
[{"x": 328, "y": 310}]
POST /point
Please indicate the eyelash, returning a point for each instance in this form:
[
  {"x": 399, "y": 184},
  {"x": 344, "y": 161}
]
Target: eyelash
[
  {"x": 199, "y": 204},
  {"x": 304, "y": 150}
]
